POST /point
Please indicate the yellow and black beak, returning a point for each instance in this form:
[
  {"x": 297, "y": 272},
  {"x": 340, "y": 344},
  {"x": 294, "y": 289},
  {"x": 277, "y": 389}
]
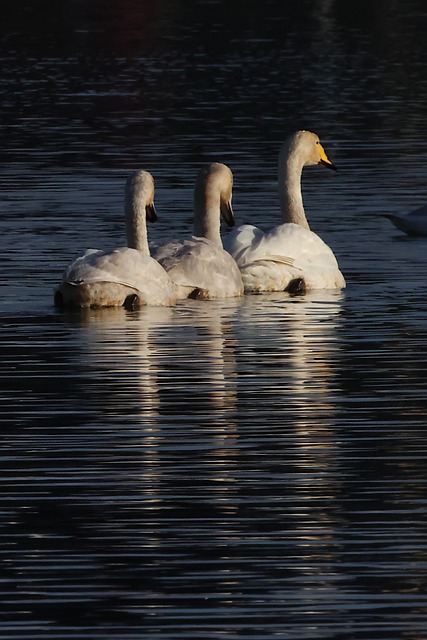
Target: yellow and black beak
[{"x": 324, "y": 160}]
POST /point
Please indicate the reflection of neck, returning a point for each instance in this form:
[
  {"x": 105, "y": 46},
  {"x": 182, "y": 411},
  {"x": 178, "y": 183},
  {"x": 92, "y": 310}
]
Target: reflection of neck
[
  {"x": 136, "y": 226},
  {"x": 290, "y": 170},
  {"x": 207, "y": 222}
]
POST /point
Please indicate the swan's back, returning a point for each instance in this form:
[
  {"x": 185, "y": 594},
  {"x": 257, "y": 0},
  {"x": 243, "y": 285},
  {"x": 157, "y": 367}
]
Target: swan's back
[
  {"x": 98, "y": 278},
  {"x": 270, "y": 261},
  {"x": 199, "y": 263}
]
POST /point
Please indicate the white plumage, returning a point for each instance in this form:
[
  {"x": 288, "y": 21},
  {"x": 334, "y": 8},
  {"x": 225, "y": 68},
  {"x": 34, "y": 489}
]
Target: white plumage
[
  {"x": 414, "y": 223},
  {"x": 290, "y": 252},
  {"x": 199, "y": 266},
  {"x": 126, "y": 276}
]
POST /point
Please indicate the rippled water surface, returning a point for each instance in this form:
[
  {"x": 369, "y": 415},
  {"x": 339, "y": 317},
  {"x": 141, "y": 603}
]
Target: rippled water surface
[{"x": 245, "y": 469}]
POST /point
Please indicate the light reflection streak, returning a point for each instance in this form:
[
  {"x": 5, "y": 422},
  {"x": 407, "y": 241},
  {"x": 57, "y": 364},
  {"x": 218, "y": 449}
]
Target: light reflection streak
[
  {"x": 159, "y": 365},
  {"x": 300, "y": 339}
]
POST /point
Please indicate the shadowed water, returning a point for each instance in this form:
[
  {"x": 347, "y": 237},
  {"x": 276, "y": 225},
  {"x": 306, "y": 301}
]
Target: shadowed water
[{"x": 249, "y": 468}]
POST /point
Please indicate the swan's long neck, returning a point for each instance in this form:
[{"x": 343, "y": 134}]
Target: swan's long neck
[
  {"x": 136, "y": 223},
  {"x": 207, "y": 219},
  {"x": 290, "y": 170}
]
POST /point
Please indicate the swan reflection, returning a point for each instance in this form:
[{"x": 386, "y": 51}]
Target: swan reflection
[
  {"x": 118, "y": 350},
  {"x": 290, "y": 359},
  {"x": 164, "y": 380},
  {"x": 187, "y": 394},
  {"x": 295, "y": 343}
]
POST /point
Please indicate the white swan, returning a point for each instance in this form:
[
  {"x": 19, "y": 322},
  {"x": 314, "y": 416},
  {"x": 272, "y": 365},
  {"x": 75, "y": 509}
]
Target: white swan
[
  {"x": 199, "y": 267},
  {"x": 289, "y": 257},
  {"x": 414, "y": 223},
  {"x": 127, "y": 276}
]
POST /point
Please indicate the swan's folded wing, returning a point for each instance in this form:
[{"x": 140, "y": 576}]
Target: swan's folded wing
[
  {"x": 278, "y": 259},
  {"x": 269, "y": 261},
  {"x": 125, "y": 266},
  {"x": 243, "y": 242},
  {"x": 168, "y": 251},
  {"x": 201, "y": 263}
]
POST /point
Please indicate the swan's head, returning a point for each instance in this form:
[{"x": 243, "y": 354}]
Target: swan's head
[
  {"x": 305, "y": 148},
  {"x": 213, "y": 181},
  {"x": 139, "y": 194}
]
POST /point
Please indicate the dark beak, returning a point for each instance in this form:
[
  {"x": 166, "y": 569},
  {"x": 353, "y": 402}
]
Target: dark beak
[
  {"x": 227, "y": 212},
  {"x": 328, "y": 164},
  {"x": 150, "y": 212}
]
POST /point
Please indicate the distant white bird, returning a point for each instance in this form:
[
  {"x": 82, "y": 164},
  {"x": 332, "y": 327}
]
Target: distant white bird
[
  {"x": 414, "y": 223},
  {"x": 199, "y": 266},
  {"x": 127, "y": 276},
  {"x": 289, "y": 257}
]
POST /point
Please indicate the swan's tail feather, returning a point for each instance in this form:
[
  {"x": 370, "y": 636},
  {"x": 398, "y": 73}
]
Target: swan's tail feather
[{"x": 85, "y": 295}]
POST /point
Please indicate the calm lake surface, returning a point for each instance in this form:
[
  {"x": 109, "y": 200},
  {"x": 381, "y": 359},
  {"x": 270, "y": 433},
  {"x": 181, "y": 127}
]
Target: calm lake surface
[{"x": 246, "y": 469}]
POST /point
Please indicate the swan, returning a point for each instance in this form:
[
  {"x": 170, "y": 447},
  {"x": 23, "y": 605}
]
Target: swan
[
  {"x": 199, "y": 266},
  {"x": 289, "y": 257},
  {"x": 414, "y": 223},
  {"x": 126, "y": 276}
]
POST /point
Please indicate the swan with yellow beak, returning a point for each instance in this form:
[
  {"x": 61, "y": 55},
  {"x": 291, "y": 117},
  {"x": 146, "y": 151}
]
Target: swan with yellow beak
[{"x": 290, "y": 257}]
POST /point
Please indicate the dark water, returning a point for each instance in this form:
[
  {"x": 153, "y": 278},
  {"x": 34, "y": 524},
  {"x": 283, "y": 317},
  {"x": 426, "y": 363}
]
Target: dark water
[{"x": 246, "y": 469}]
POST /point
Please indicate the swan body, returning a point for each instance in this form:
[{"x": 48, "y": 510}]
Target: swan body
[
  {"x": 414, "y": 223},
  {"x": 199, "y": 266},
  {"x": 127, "y": 276},
  {"x": 272, "y": 261}
]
